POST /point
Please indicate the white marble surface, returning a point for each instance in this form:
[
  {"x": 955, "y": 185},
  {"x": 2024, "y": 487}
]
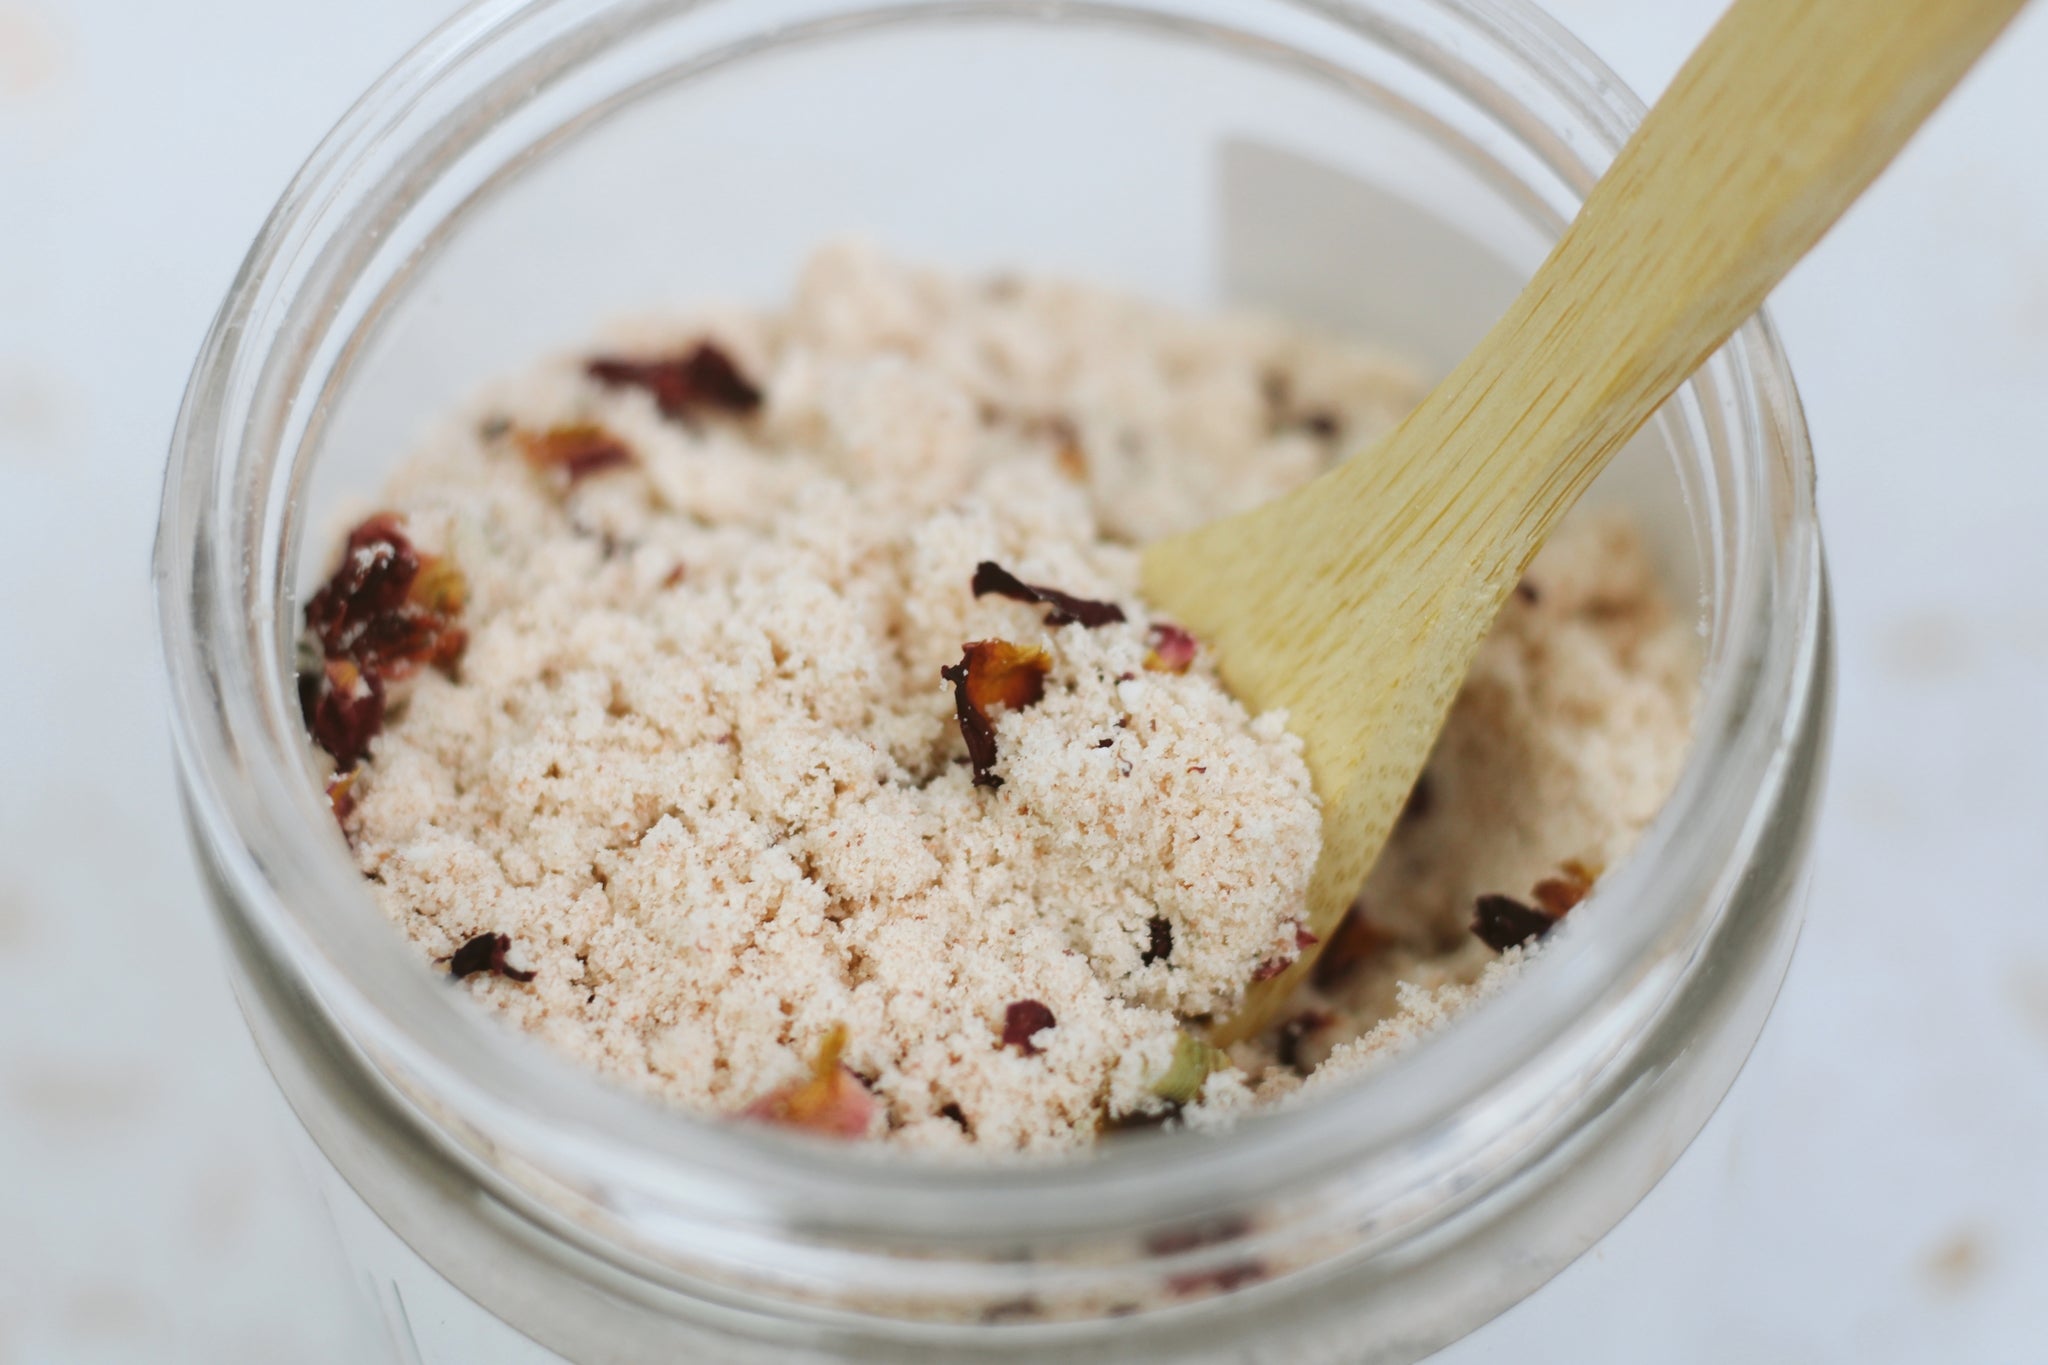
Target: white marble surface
[{"x": 1874, "y": 1190}]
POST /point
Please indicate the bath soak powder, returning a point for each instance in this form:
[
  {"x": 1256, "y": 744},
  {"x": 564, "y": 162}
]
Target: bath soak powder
[{"x": 759, "y": 708}]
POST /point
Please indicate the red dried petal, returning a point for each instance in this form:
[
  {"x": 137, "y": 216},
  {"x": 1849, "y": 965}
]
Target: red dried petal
[
  {"x": 991, "y": 577},
  {"x": 341, "y": 797},
  {"x": 574, "y": 453},
  {"x": 387, "y": 608},
  {"x": 990, "y": 673},
  {"x": 1021, "y": 1022},
  {"x": 703, "y": 378},
  {"x": 1271, "y": 968},
  {"x": 377, "y": 569},
  {"x": 1502, "y": 922},
  {"x": 832, "y": 1102},
  {"x": 486, "y": 953},
  {"x": 348, "y": 711},
  {"x": 1173, "y": 649},
  {"x": 1355, "y": 941}
]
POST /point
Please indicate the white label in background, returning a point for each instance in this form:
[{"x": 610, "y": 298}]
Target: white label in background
[{"x": 1300, "y": 238}]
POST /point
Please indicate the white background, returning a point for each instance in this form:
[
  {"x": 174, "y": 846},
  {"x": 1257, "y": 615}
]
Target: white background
[{"x": 1874, "y": 1190}]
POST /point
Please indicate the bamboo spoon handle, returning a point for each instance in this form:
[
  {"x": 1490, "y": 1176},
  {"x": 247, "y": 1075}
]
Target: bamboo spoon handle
[{"x": 1357, "y": 602}]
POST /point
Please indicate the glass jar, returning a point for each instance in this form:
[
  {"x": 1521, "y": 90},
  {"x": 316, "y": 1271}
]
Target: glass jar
[{"x": 1394, "y": 167}]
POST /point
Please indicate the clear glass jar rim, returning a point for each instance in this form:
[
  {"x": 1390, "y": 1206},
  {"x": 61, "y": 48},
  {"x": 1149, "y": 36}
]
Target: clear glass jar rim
[{"x": 248, "y": 796}]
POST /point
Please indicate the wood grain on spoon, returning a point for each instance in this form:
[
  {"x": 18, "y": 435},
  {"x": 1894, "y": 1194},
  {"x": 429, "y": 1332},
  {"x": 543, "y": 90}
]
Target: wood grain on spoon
[{"x": 1357, "y": 601}]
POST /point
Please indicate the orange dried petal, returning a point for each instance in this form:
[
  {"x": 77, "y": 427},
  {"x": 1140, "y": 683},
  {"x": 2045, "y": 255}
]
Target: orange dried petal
[{"x": 574, "y": 452}]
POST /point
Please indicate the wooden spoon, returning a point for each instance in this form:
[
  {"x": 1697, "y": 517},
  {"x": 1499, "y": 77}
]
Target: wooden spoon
[{"x": 1357, "y": 601}]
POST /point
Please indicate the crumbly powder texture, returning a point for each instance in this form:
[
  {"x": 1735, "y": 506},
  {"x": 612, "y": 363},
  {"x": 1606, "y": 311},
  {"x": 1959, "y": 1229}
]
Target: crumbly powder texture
[
  {"x": 1566, "y": 737},
  {"x": 698, "y": 762}
]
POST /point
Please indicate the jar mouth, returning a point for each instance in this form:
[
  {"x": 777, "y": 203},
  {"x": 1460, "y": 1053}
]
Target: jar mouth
[{"x": 1425, "y": 1129}]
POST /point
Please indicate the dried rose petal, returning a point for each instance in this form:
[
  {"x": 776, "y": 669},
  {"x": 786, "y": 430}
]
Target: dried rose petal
[
  {"x": 703, "y": 378},
  {"x": 1271, "y": 968},
  {"x": 1173, "y": 649},
  {"x": 1023, "y": 1020},
  {"x": 992, "y": 672},
  {"x": 1355, "y": 941},
  {"x": 486, "y": 953},
  {"x": 376, "y": 573},
  {"x": 1161, "y": 947},
  {"x": 387, "y": 607},
  {"x": 1502, "y": 922},
  {"x": 832, "y": 1102},
  {"x": 348, "y": 711},
  {"x": 574, "y": 453},
  {"x": 385, "y": 610},
  {"x": 341, "y": 797},
  {"x": 1557, "y": 895},
  {"x": 991, "y": 577}
]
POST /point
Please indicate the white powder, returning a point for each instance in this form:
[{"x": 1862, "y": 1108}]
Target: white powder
[{"x": 698, "y": 762}]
